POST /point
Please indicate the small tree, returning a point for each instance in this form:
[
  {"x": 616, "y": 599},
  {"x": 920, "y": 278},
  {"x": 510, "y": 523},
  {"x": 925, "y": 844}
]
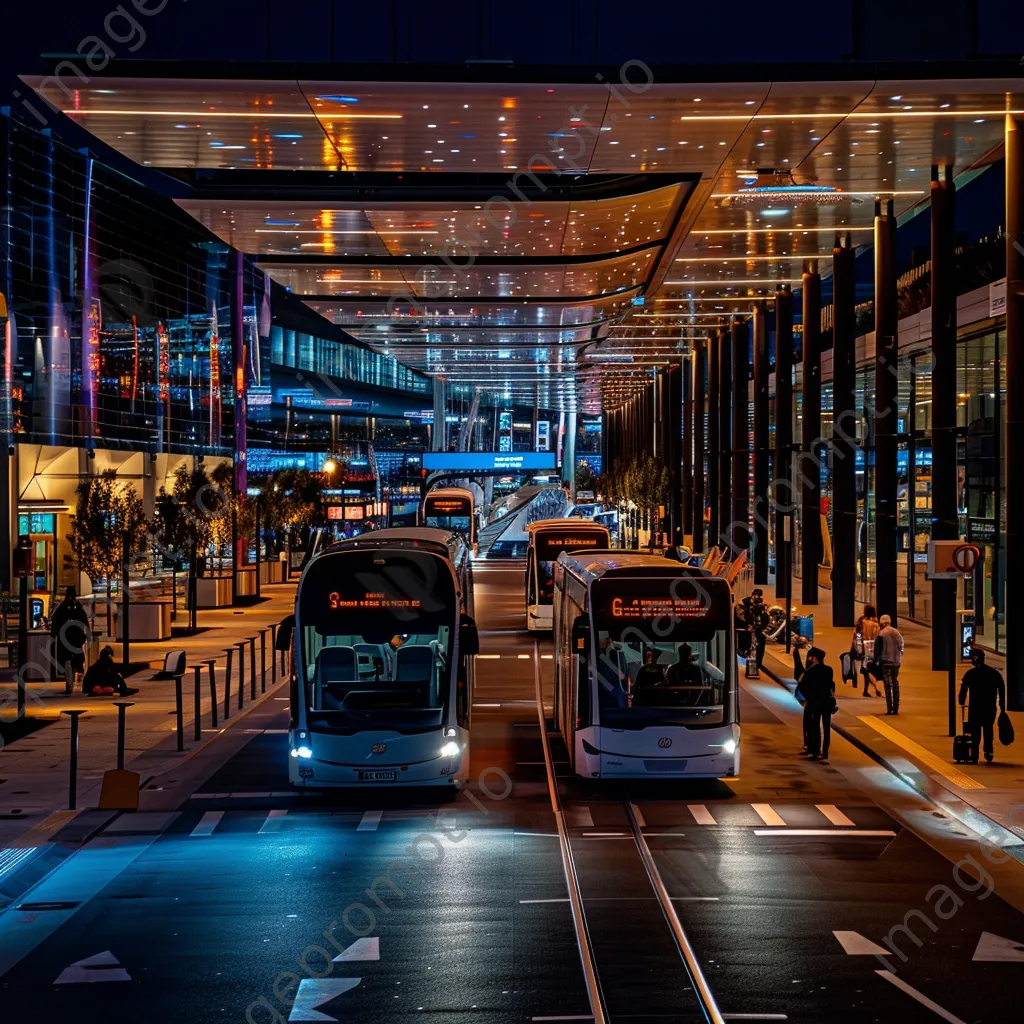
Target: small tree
[{"x": 109, "y": 527}]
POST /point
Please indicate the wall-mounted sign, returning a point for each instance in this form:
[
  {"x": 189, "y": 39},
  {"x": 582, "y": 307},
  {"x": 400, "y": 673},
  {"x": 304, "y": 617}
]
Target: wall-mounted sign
[{"x": 488, "y": 461}]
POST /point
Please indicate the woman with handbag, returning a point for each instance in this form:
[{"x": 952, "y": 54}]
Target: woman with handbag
[{"x": 864, "y": 634}]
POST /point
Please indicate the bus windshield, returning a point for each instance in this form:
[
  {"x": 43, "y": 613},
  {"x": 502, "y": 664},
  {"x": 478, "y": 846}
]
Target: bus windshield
[
  {"x": 662, "y": 653},
  {"x": 377, "y": 632},
  {"x": 549, "y": 544},
  {"x": 457, "y": 524}
]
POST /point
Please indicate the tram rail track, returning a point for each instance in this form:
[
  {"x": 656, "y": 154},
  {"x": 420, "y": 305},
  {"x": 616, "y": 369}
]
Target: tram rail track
[{"x": 597, "y": 989}]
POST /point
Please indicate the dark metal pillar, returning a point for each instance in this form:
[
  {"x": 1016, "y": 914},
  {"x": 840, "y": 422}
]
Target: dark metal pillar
[
  {"x": 686, "y": 449},
  {"x": 724, "y": 497},
  {"x": 886, "y": 396},
  {"x": 699, "y": 390},
  {"x": 945, "y": 518},
  {"x": 761, "y": 509},
  {"x": 810, "y": 471},
  {"x": 783, "y": 495},
  {"x": 677, "y": 475},
  {"x": 739, "y": 518},
  {"x": 239, "y": 367},
  {"x": 1013, "y": 606},
  {"x": 844, "y": 434},
  {"x": 714, "y": 434}
]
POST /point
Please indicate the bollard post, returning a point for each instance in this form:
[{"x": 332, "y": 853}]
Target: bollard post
[
  {"x": 230, "y": 652},
  {"x": 273, "y": 652},
  {"x": 263, "y": 661},
  {"x": 122, "y": 708},
  {"x": 179, "y": 712},
  {"x": 73, "y": 714},
  {"x": 241, "y": 672},
  {"x": 252, "y": 668},
  {"x": 198, "y": 727},
  {"x": 213, "y": 689}
]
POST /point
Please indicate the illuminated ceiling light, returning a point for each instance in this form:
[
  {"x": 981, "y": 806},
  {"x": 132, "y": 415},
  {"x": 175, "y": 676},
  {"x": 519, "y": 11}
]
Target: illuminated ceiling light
[
  {"x": 838, "y": 229},
  {"x": 251, "y": 115},
  {"x": 779, "y": 211}
]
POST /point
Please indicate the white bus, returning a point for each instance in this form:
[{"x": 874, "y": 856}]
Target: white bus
[
  {"x": 451, "y": 508},
  {"x": 548, "y": 539},
  {"x": 382, "y": 670},
  {"x": 645, "y": 668}
]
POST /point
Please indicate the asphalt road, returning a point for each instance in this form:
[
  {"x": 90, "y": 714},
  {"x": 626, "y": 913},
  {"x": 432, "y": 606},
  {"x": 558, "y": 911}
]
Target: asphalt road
[{"x": 237, "y": 905}]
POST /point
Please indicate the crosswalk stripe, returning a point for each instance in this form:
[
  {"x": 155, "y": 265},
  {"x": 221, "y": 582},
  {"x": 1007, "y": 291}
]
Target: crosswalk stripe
[
  {"x": 369, "y": 821},
  {"x": 207, "y": 823},
  {"x": 834, "y": 815},
  {"x": 275, "y": 819},
  {"x": 701, "y": 814},
  {"x": 768, "y": 814}
]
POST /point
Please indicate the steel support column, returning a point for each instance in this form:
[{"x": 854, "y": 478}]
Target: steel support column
[
  {"x": 761, "y": 473},
  {"x": 678, "y": 482},
  {"x": 714, "y": 433},
  {"x": 699, "y": 390},
  {"x": 724, "y": 496},
  {"x": 810, "y": 470},
  {"x": 844, "y": 434},
  {"x": 739, "y": 529},
  {"x": 886, "y": 397},
  {"x": 1013, "y": 581},
  {"x": 783, "y": 495},
  {"x": 945, "y": 518}
]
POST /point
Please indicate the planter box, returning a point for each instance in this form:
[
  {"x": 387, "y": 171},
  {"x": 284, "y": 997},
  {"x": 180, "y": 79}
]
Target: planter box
[
  {"x": 147, "y": 620},
  {"x": 247, "y": 582},
  {"x": 213, "y": 592},
  {"x": 271, "y": 572}
]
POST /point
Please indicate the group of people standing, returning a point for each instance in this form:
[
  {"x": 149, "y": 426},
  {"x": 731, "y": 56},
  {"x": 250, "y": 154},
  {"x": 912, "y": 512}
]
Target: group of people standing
[{"x": 875, "y": 655}]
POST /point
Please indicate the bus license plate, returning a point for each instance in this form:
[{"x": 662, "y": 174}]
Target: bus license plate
[{"x": 378, "y": 776}]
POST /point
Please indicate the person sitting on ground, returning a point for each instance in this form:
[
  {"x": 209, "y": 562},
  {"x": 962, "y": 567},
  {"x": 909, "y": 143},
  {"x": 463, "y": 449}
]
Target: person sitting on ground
[{"x": 103, "y": 680}]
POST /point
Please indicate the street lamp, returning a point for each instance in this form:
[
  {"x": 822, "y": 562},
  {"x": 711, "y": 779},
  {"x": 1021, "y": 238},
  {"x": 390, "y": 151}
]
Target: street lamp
[{"x": 330, "y": 465}]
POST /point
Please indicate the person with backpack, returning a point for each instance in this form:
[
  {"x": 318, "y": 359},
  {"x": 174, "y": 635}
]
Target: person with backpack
[
  {"x": 862, "y": 648},
  {"x": 985, "y": 687},
  {"x": 889, "y": 655},
  {"x": 69, "y": 628}
]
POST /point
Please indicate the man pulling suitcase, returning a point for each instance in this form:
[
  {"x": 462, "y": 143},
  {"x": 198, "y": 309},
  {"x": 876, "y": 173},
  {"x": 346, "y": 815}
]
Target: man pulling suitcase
[{"x": 985, "y": 687}]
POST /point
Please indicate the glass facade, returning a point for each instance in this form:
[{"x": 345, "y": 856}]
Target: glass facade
[{"x": 121, "y": 308}]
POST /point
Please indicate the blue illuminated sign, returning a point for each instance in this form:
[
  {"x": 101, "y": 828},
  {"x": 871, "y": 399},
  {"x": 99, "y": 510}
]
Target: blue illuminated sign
[{"x": 483, "y": 462}]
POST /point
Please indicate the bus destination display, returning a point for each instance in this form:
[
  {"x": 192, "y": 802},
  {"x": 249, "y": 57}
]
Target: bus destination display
[
  {"x": 448, "y": 506},
  {"x": 336, "y": 602},
  {"x": 550, "y": 546},
  {"x": 646, "y": 608}
]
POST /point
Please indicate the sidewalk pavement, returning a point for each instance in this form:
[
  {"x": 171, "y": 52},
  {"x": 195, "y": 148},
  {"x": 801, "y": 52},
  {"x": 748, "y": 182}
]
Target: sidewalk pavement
[
  {"x": 915, "y": 743},
  {"x": 34, "y": 769}
]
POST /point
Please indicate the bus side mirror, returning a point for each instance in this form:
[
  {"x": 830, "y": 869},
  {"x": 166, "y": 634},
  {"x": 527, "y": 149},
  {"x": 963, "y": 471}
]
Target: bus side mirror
[
  {"x": 284, "y": 634},
  {"x": 581, "y": 635},
  {"x": 469, "y": 638}
]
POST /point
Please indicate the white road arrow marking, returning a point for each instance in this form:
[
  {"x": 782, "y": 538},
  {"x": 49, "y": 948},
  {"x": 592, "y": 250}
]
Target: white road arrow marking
[
  {"x": 101, "y": 967},
  {"x": 994, "y": 948},
  {"x": 361, "y": 949},
  {"x": 314, "y": 992},
  {"x": 857, "y": 945}
]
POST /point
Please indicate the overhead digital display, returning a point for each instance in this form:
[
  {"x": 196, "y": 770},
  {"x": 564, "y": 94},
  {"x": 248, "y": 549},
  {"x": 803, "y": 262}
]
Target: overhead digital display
[
  {"x": 484, "y": 462},
  {"x": 336, "y": 601},
  {"x": 551, "y": 545}
]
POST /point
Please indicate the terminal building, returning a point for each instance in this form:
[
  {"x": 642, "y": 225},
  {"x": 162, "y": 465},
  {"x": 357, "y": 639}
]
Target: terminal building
[{"x": 774, "y": 278}]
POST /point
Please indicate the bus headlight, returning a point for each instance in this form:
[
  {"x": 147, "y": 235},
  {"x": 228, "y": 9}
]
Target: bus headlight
[
  {"x": 729, "y": 747},
  {"x": 449, "y": 734},
  {"x": 450, "y": 749},
  {"x": 303, "y": 752}
]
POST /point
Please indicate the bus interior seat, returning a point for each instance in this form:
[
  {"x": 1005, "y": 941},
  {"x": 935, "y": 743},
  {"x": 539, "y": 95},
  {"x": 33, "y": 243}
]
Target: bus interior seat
[
  {"x": 335, "y": 675},
  {"x": 414, "y": 669}
]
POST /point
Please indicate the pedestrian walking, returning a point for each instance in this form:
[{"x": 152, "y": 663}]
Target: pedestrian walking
[
  {"x": 862, "y": 649},
  {"x": 818, "y": 687},
  {"x": 981, "y": 689},
  {"x": 889, "y": 655}
]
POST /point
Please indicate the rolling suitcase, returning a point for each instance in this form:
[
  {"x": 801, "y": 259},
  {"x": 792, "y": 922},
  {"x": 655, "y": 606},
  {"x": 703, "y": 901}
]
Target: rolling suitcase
[{"x": 963, "y": 748}]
